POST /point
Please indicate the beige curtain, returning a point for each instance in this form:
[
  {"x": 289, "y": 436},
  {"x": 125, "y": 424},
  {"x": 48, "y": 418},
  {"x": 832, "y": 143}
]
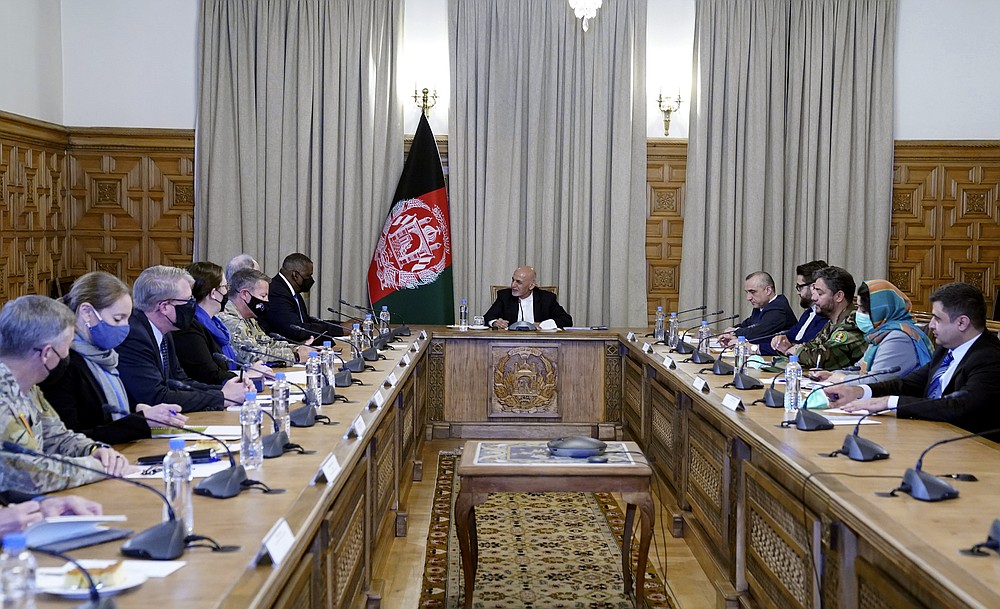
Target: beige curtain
[
  {"x": 790, "y": 147},
  {"x": 299, "y": 137},
  {"x": 547, "y": 152}
]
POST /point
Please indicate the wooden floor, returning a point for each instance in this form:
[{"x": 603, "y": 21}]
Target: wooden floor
[{"x": 400, "y": 579}]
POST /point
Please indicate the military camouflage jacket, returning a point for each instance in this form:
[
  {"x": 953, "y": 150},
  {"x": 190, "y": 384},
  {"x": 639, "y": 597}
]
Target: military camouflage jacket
[{"x": 837, "y": 346}]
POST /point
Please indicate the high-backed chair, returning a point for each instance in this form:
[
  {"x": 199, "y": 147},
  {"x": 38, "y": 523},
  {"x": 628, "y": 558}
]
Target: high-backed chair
[{"x": 494, "y": 289}]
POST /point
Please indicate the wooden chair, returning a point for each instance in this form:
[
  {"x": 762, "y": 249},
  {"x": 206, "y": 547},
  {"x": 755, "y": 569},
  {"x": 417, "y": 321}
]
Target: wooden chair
[
  {"x": 60, "y": 286},
  {"x": 494, "y": 289}
]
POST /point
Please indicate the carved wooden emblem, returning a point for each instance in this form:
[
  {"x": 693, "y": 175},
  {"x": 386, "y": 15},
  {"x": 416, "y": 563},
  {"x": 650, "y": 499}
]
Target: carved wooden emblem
[{"x": 524, "y": 382}]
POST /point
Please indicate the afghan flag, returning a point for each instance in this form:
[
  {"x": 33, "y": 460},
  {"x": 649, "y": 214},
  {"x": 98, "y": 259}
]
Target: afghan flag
[{"x": 411, "y": 268}]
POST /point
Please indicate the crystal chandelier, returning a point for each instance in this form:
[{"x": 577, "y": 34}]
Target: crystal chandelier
[{"x": 586, "y": 10}]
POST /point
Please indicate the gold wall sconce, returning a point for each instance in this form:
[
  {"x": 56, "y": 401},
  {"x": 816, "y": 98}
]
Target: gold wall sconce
[
  {"x": 668, "y": 105},
  {"x": 425, "y": 99}
]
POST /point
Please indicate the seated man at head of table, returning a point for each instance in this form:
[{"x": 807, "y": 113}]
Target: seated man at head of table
[
  {"x": 967, "y": 359},
  {"x": 525, "y": 301},
  {"x": 147, "y": 358},
  {"x": 840, "y": 343},
  {"x": 771, "y": 314}
]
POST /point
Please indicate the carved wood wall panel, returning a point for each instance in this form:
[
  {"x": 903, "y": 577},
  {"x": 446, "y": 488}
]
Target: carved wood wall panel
[{"x": 666, "y": 166}]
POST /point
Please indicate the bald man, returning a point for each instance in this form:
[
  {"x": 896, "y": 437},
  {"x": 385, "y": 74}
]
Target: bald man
[{"x": 524, "y": 300}]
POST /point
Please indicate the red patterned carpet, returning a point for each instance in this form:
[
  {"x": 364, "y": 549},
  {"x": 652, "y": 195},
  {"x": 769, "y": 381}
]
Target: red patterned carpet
[{"x": 544, "y": 550}]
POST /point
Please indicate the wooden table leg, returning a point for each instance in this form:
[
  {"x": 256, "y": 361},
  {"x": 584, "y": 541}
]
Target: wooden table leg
[
  {"x": 465, "y": 529},
  {"x": 644, "y": 501},
  {"x": 627, "y": 552}
]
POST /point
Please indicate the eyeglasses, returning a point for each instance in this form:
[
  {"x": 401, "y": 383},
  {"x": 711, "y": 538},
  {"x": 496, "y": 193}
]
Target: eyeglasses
[
  {"x": 801, "y": 286},
  {"x": 177, "y": 302}
]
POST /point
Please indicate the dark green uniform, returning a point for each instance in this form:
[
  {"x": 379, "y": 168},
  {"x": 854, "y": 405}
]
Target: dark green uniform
[{"x": 836, "y": 346}]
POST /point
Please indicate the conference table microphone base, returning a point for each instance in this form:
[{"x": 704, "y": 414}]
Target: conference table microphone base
[{"x": 165, "y": 541}]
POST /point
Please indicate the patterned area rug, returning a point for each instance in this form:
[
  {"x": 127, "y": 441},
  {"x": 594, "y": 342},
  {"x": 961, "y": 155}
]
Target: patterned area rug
[{"x": 536, "y": 550}]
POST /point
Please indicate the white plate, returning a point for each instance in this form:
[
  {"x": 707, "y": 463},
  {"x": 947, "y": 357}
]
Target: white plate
[{"x": 50, "y": 581}]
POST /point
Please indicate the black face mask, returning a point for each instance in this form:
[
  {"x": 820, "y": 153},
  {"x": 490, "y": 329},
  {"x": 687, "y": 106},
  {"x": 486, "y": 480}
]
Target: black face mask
[
  {"x": 225, "y": 299},
  {"x": 257, "y": 306},
  {"x": 184, "y": 315},
  {"x": 307, "y": 284},
  {"x": 60, "y": 369}
]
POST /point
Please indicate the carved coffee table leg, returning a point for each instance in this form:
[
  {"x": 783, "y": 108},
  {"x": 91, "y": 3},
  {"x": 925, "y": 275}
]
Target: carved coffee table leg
[
  {"x": 627, "y": 549},
  {"x": 465, "y": 529}
]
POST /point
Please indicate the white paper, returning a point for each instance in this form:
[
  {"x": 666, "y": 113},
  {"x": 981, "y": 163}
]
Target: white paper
[
  {"x": 699, "y": 383},
  {"x": 630, "y": 337},
  {"x": 279, "y": 541},
  {"x": 669, "y": 362}
]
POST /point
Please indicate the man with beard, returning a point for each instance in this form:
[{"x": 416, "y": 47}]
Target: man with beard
[
  {"x": 811, "y": 322},
  {"x": 147, "y": 359},
  {"x": 967, "y": 359},
  {"x": 840, "y": 343},
  {"x": 525, "y": 301}
]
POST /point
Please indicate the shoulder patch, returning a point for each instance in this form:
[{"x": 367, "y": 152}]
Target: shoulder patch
[{"x": 840, "y": 336}]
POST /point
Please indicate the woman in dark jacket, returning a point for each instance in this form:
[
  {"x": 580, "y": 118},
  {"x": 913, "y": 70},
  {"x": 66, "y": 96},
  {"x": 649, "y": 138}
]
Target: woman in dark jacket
[
  {"x": 89, "y": 397},
  {"x": 198, "y": 345}
]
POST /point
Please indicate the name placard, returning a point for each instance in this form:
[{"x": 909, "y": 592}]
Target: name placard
[
  {"x": 414, "y": 347},
  {"x": 357, "y": 428},
  {"x": 669, "y": 362},
  {"x": 276, "y": 544},
  {"x": 406, "y": 360},
  {"x": 700, "y": 384},
  {"x": 391, "y": 379},
  {"x": 423, "y": 335},
  {"x": 630, "y": 337},
  {"x": 328, "y": 470},
  {"x": 733, "y": 402},
  {"x": 377, "y": 401},
  {"x": 646, "y": 347}
]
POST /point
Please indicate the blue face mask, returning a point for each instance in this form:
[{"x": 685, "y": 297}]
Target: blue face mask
[
  {"x": 864, "y": 322},
  {"x": 105, "y": 336}
]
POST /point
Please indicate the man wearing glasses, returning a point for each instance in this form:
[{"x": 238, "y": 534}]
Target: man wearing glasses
[
  {"x": 147, "y": 359},
  {"x": 811, "y": 322}
]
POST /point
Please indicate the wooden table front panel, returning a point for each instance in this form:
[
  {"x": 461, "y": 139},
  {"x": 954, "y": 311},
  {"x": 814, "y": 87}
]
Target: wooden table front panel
[
  {"x": 346, "y": 557},
  {"x": 707, "y": 487},
  {"x": 383, "y": 485},
  {"x": 632, "y": 401},
  {"x": 666, "y": 434}
]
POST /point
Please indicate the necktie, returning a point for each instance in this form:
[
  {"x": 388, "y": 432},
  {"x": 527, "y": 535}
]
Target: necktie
[
  {"x": 298, "y": 303},
  {"x": 164, "y": 355},
  {"x": 934, "y": 388}
]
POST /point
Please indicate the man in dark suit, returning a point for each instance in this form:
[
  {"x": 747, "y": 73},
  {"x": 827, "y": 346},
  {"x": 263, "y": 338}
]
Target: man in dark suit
[
  {"x": 524, "y": 300},
  {"x": 771, "y": 313},
  {"x": 286, "y": 307},
  {"x": 967, "y": 359},
  {"x": 147, "y": 358}
]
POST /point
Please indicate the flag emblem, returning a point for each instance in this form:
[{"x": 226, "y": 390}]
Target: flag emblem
[{"x": 414, "y": 247}]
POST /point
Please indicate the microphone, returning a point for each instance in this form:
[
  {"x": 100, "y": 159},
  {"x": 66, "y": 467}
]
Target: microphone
[
  {"x": 401, "y": 330},
  {"x": 992, "y": 542},
  {"x": 310, "y": 332},
  {"x": 685, "y": 349},
  {"x": 701, "y": 308},
  {"x": 700, "y": 317},
  {"x": 356, "y": 307},
  {"x": 164, "y": 541},
  {"x": 95, "y": 601},
  {"x": 343, "y": 377},
  {"x": 337, "y": 312},
  {"x": 699, "y": 356},
  {"x": 927, "y": 487},
  {"x": 280, "y": 337},
  {"x": 721, "y": 368},
  {"x": 863, "y": 449},
  {"x": 807, "y": 420}
]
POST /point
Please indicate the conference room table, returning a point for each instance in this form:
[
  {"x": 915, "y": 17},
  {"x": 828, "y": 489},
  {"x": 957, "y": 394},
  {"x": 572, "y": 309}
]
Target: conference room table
[{"x": 773, "y": 523}]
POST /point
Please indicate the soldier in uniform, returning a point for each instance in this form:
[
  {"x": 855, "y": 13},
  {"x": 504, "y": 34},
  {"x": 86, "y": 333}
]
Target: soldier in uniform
[{"x": 840, "y": 343}]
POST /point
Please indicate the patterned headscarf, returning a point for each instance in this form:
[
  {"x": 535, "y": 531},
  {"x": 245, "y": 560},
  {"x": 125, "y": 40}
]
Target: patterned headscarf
[{"x": 890, "y": 310}]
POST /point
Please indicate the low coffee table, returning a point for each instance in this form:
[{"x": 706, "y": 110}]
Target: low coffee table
[{"x": 523, "y": 466}]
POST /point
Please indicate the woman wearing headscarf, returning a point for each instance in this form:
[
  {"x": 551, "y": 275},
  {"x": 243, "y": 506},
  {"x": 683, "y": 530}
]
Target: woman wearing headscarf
[
  {"x": 893, "y": 337},
  {"x": 90, "y": 397}
]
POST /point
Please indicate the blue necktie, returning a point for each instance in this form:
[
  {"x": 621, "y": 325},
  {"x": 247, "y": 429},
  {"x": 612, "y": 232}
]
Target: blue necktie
[{"x": 934, "y": 388}]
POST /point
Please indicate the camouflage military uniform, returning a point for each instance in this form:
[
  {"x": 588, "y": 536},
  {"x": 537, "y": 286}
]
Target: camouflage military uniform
[
  {"x": 837, "y": 346},
  {"x": 248, "y": 333},
  {"x": 29, "y": 421}
]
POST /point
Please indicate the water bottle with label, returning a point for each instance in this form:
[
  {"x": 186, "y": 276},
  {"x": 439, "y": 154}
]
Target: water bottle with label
[
  {"x": 658, "y": 330},
  {"x": 177, "y": 474},
  {"x": 251, "y": 442},
  {"x": 279, "y": 403},
  {"x": 329, "y": 363},
  {"x": 742, "y": 353},
  {"x": 314, "y": 379},
  {"x": 17, "y": 573},
  {"x": 368, "y": 330},
  {"x": 383, "y": 321},
  {"x": 463, "y": 315},
  {"x": 793, "y": 387},
  {"x": 703, "y": 333},
  {"x": 357, "y": 338},
  {"x": 672, "y": 330}
]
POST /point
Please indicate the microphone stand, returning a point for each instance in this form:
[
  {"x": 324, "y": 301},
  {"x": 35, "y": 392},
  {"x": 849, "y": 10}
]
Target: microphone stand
[
  {"x": 699, "y": 356},
  {"x": 401, "y": 330},
  {"x": 807, "y": 420},
  {"x": 682, "y": 347},
  {"x": 927, "y": 487},
  {"x": 304, "y": 416}
]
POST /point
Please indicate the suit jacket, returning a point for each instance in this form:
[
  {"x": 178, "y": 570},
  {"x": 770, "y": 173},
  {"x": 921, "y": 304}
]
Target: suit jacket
[
  {"x": 814, "y": 327},
  {"x": 195, "y": 349},
  {"x": 546, "y": 307},
  {"x": 141, "y": 370},
  {"x": 79, "y": 400},
  {"x": 978, "y": 373},
  {"x": 776, "y": 316},
  {"x": 284, "y": 310}
]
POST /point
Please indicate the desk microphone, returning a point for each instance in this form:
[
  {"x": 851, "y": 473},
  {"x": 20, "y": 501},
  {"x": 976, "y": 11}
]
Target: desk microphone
[
  {"x": 927, "y": 487},
  {"x": 382, "y": 342},
  {"x": 699, "y": 356},
  {"x": 992, "y": 542},
  {"x": 682, "y": 347},
  {"x": 808, "y": 420},
  {"x": 281, "y": 337},
  {"x": 341, "y": 378},
  {"x": 693, "y": 309},
  {"x": 863, "y": 449},
  {"x": 164, "y": 541},
  {"x": 401, "y": 330},
  {"x": 95, "y": 600},
  {"x": 685, "y": 349},
  {"x": 342, "y": 314},
  {"x": 310, "y": 332},
  {"x": 721, "y": 368}
]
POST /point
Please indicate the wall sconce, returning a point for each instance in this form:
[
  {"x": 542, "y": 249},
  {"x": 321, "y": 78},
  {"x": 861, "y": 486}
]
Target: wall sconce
[
  {"x": 667, "y": 109},
  {"x": 585, "y": 10},
  {"x": 425, "y": 99}
]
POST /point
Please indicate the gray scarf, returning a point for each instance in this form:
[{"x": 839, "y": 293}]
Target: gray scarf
[{"x": 103, "y": 364}]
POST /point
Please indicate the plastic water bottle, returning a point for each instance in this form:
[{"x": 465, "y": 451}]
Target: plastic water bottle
[
  {"x": 357, "y": 338},
  {"x": 742, "y": 352},
  {"x": 17, "y": 573},
  {"x": 368, "y": 329},
  {"x": 793, "y": 387},
  {"x": 251, "y": 442},
  {"x": 329, "y": 362},
  {"x": 177, "y": 473},
  {"x": 383, "y": 321},
  {"x": 672, "y": 331},
  {"x": 658, "y": 332},
  {"x": 703, "y": 333},
  {"x": 314, "y": 379},
  {"x": 463, "y": 315},
  {"x": 279, "y": 403}
]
